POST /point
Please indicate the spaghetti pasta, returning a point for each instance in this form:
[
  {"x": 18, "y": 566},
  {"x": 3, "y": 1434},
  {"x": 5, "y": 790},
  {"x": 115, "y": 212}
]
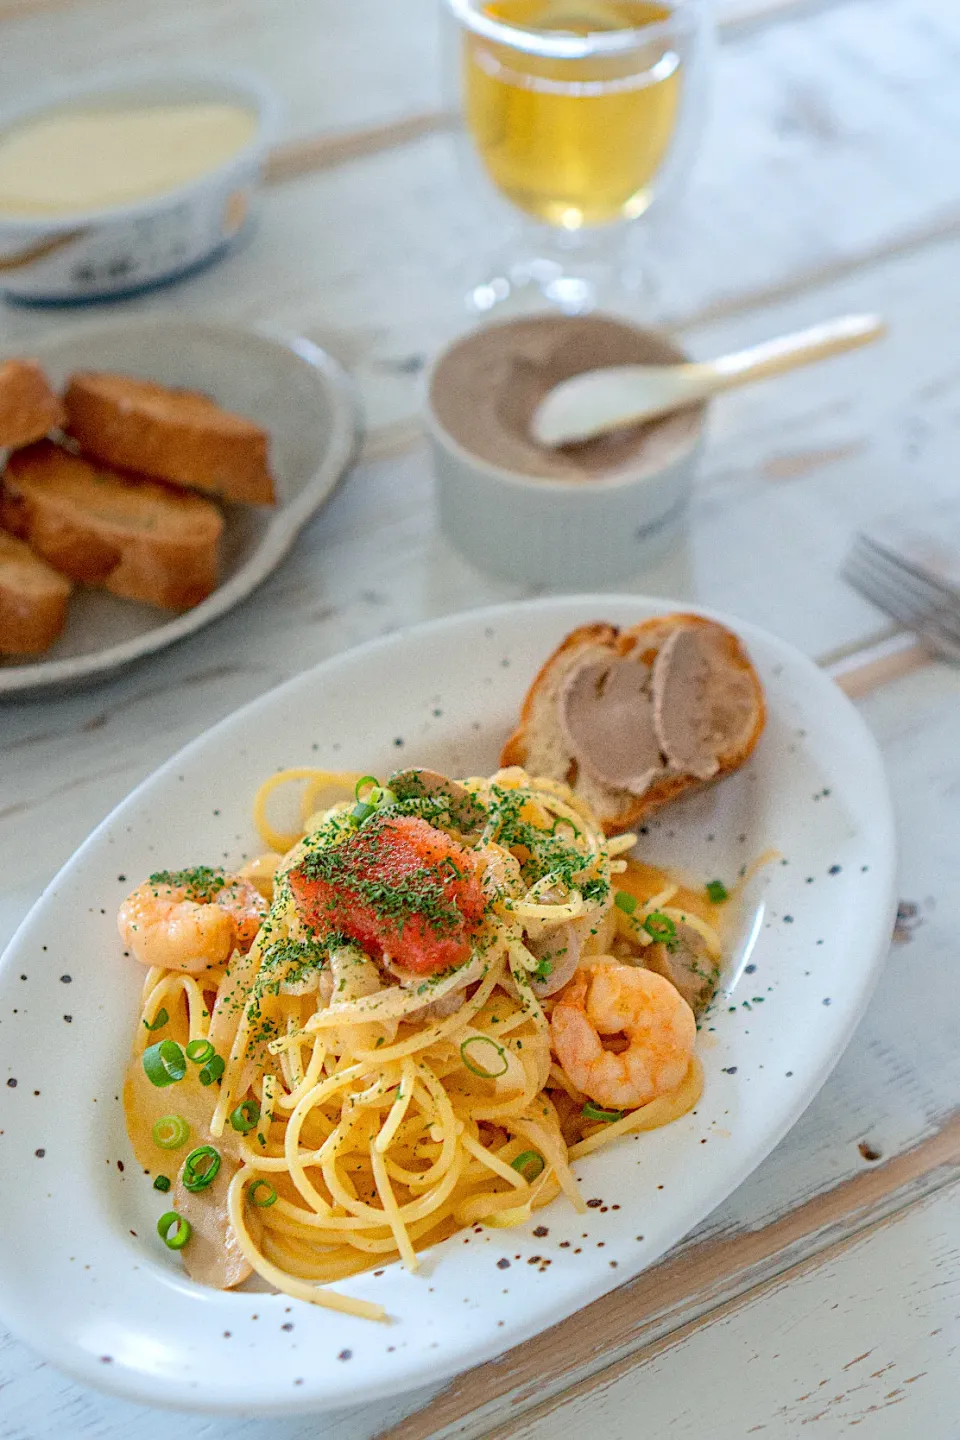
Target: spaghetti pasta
[{"x": 391, "y": 1067}]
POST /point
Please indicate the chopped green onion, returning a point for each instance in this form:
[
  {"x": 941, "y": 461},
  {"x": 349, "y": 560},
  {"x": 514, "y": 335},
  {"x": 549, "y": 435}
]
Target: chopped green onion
[
  {"x": 475, "y": 1041},
  {"x": 717, "y": 892},
  {"x": 269, "y": 1196},
  {"x": 363, "y": 782},
  {"x": 213, "y": 1069},
  {"x": 526, "y": 1160},
  {"x": 162, "y": 1183},
  {"x": 200, "y": 1168},
  {"x": 170, "y": 1132},
  {"x": 199, "y": 1051},
  {"x": 173, "y": 1230},
  {"x": 544, "y": 970},
  {"x": 562, "y": 820},
  {"x": 245, "y": 1117},
  {"x": 660, "y": 927},
  {"x": 626, "y": 902},
  {"x": 593, "y": 1112},
  {"x": 164, "y": 1063},
  {"x": 381, "y": 795},
  {"x": 362, "y": 812},
  {"x": 159, "y": 1020}
]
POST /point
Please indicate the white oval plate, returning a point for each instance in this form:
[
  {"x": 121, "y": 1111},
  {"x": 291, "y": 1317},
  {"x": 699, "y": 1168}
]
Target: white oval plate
[
  {"x": 83, "y": 1277},
  {"x": 297, "y": 392}
]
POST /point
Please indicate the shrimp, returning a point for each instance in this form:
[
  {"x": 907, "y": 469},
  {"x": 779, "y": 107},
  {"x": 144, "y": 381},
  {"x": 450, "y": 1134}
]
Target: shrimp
[
  {"x": 622, "y": 1000},
  {"x": 191, "y": 919}
]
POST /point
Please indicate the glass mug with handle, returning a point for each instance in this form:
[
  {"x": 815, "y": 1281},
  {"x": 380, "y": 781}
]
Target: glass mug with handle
[{"x": 581, "y": 113}]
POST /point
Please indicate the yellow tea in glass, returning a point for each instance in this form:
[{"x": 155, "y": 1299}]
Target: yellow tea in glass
[
  {"x": 574, "y": 141},
  {"x": 582, "y": 114}
]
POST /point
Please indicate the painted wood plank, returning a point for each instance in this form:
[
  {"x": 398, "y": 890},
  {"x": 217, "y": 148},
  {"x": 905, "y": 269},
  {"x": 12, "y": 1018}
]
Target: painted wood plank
[
  {"x": 789, "y": 471},
  {"x": 788, "y": 201},
  {"x": 898, "y": 1080},
  {"x": 868, "y": 1336},
  {"x": 683, "y": 1294},
  {"x": 333, "y": 65},
  {"x": 829, "y": 141},
  {"x": 375, "y": 256}
]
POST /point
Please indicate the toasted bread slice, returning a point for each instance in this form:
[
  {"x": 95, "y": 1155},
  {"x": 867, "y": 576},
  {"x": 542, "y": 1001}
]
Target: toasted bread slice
[
  {"x": 33, "y": 599},
  {"x": 128, "y": 535},
  {"x": 29, "y": 409},
  {"x": 632, "y": 719},
  {"x": 179, "y": 436}
]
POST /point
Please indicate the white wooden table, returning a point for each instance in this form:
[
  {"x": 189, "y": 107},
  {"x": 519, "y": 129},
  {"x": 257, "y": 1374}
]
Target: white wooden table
[{"x": 825, "y": 1292}]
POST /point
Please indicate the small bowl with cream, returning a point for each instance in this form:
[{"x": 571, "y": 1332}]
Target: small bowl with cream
[
  {"x": 585, "y": 515},
  {"x": 127, "y": 181}
]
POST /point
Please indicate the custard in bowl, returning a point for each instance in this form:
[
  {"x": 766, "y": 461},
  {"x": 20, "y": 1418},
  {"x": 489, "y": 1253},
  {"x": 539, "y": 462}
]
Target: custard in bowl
[{"x": 122, "y": 183}]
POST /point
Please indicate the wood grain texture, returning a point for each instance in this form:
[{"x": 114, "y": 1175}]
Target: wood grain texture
[
  {"x": 814, "y": 1348},
  {"x": 680, "y": 1293},
  {"x": 859, "y": 675},
  {"x": 293, "y": 158},
  {"x": 894, "y": 1082},
  {"x": 826, "y": 182}
]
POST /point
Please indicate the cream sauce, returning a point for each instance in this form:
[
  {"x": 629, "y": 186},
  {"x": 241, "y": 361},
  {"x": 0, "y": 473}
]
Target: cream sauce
[{"x": 69, "y": 162}]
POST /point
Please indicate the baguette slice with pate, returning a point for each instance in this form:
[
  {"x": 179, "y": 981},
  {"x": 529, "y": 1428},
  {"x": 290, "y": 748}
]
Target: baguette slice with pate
[
  {"x": 33, "y": 599},
  {"x": 632, "y": 719},
  {"x": 125, "y": 534}
]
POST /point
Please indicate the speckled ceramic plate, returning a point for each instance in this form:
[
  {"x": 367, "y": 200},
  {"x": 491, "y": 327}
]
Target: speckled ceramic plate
[
  {"x": 297, "y": 392},
  {"x": 83, "y": 1277}
]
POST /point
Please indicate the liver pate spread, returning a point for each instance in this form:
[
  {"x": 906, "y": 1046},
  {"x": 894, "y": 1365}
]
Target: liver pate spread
[
  {"x": 487, "y": 386},
  {"x": 629, "y": 724}
]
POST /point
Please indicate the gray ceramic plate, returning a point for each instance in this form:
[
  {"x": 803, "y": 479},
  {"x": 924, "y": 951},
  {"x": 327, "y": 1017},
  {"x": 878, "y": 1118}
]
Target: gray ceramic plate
[{"x": 294, "y": 390}]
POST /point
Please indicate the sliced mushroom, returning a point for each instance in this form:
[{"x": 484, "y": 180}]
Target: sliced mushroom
[
  {"x": 689, "y": 967},
  {"x": 560, "y": 947},
  {"x": 437, "y": 996},
  {"x": 212, "y": 1255},
  {"x": 440, "y": 1009},
  {"x": 466, "y": 812}
]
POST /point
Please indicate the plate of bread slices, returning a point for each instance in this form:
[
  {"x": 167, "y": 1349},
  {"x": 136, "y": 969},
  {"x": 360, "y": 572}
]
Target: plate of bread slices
[{"x": 155, "y": 473}]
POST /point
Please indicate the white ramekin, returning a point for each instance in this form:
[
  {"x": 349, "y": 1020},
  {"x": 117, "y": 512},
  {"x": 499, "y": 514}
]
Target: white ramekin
[
  {"x": 103, "y": 254},
  {"x": 563, "y": 534}
]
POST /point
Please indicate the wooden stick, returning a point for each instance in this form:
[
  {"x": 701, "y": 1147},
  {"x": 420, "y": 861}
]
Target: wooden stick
[
  {"x": 867, "y": 670},
  {"x": 312, "y": 153},
  {"x": 684, "y": 1292}
]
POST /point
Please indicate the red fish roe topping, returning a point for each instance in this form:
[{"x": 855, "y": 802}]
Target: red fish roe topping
[{"x": 397, "y": 886}]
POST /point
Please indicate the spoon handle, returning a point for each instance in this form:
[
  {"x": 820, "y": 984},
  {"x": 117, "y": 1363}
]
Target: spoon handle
[{"x": 775, "y": 357}]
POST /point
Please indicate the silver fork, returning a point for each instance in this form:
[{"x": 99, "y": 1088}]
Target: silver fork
[{"x": 920, "y": 603}]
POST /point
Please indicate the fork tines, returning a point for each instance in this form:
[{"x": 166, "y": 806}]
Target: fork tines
[{"x": 908, "y": 592}]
